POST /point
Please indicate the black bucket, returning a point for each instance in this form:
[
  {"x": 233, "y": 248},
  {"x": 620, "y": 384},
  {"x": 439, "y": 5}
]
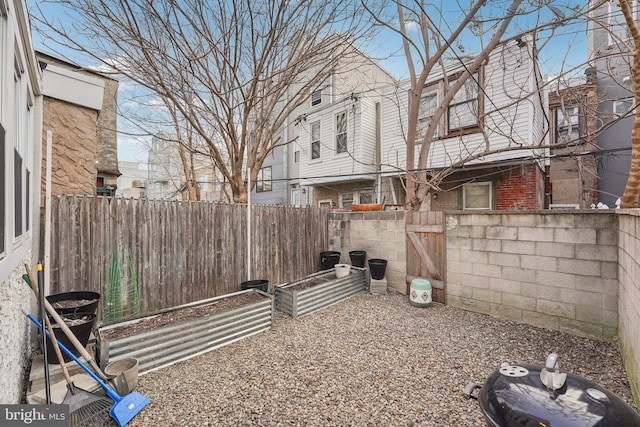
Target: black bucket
[
  {"x": 329, "y": 259},
  {"x": 81, "y": 324},
  {"x": 358, "y": 258},
  {"x": 74, "y": 302},
  {"x": 262, "y": 285},
  {"x": 377, "y": 267}
]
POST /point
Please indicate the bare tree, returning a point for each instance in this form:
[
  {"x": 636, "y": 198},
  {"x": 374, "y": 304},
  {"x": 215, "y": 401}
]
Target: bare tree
[
  {"x": 225, "y": 69},
  {"x": 432, "y": 44},
  {"x": 631, "y": 193}
]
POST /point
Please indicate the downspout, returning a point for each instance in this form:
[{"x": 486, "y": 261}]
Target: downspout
[{"x": 378, "y": 155}]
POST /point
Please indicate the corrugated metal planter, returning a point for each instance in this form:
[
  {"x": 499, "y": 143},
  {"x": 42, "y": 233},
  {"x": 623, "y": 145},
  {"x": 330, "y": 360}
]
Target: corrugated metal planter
[
  {"x": 166, "y": 345},
  {"x": 324, "y": 293}
]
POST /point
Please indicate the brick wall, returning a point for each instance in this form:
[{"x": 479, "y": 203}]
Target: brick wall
[
  {"x": 381, "y": 234},
  {"x": 629, "y": 308},
  {"x": 520, "y": 189},
  {"x": 554, "y": 270}
]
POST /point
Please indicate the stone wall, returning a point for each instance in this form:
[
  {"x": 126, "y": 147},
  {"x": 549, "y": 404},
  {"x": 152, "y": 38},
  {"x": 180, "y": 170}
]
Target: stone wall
[
  {"x": 554, "y": 270},
  {"x": 15, "y": 296},
  {"x": 74, "y": 128},
  {"x": 381, "y": 234},
  {"x": 629, "y": 279}
]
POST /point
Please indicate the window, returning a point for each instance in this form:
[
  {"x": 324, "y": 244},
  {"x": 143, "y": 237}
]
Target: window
[
  {"x": 17, "y": 183},
  {"x": 618, "y": 30},
  {"x": 296, "y": 156},
  {"x": 428, "y": 104},
  {"x": 315, "y": 140},
  {"x": 264, "y": 180},
  {"x": 623, "y": 107},
  {"x": 567, "y": 124},
  {"x": 316, "y": 97},
  {"x": 341, "y": 133},
  {"x": 463, "y": 112},
  {"x": 295, "y": 194},
  {"x": 477, "y": 196}
]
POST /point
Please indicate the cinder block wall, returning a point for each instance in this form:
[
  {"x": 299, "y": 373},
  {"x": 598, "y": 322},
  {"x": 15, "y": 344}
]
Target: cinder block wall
[
  {"x": 381, "y": 234},
  {"x": 629, "y": 301},
  {"x": 549, "y": 269}
]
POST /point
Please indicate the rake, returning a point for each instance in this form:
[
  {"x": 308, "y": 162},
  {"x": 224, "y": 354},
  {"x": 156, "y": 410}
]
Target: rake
[{"x": 124, "y": 408}]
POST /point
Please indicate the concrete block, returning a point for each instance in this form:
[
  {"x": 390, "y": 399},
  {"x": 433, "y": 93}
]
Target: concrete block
[
  {"x": 469, "y": 304},
  {"x": 542, "y": 263},
  {"x": 535, "y": 234},
  {"x": 457, "y": 266},
  {"x": 607, "y": 237},
  {"x": 610, "y": 302},
  {"x": 487, "y": 270},
  {"x": 572, "y": 235},
  {"x": 556, "y": 308},
  {"x": 519, "y": 220},
  {"x": 462, "y": 243},
  {"x": 519, "y": 274},
  {"x": 506, "y": 233},
  {"x": 597, "y": 252},
  {"x": 486, "y": 245},
  {"x": 506, "y": 312},
  {"x": 609, "y": 270},
  {"x": 540, "y": 291},
  {"x": 474, "y": 257},
  {"x": 554, "y": 249},
  {"x": 378, "y": 287},
  {"x": 518, "y": 247},
  {"x": 474, "y": 280},
  {"x": 519, "y": 301},
  {"x": 504, "y": 259},
  {"x": 487, "y": 295},
  {"x": 574, "y": 266},
  {"x": 580, "y": 328},
  {"x": 597, "y": 284},
  {"x": 555, "y": 220},
  {"x": 456, "y": 289},
  {"x": 581, "y": 298},
  {"x": 555, "y": 279},
  {"x": 508, "y": 286},
  {"x": 597, "y": 315},
  {"x": 542, "y": 320}
]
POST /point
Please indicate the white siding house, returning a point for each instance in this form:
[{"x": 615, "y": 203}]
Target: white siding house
[
  {"x": 20, "y": 162},
  {"x": 496, "y": 114}
]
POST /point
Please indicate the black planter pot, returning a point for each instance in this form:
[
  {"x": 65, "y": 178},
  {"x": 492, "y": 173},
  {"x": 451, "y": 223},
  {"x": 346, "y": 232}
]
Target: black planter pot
[
  {"x": 377, "y": 268},
  {"x": 81, "y": 324},
  {"x": 358, "y": 258},
  {"x": 329, "y": 259},
  {"x": 262, "y": 285},
  {"x": 74, "y": 302}
]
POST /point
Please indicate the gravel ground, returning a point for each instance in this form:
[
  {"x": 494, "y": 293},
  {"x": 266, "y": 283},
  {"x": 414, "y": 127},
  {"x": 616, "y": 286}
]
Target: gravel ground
[{"x": 367, "y": 361}]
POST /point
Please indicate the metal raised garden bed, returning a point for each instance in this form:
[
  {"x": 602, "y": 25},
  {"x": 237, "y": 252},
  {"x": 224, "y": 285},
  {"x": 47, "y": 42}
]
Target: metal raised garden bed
[
  {"x": 327, "y": 291},
  {"x": 165, "y": 345}
]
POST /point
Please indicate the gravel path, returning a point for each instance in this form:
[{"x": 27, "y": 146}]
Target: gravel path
[{"x": 367, "y": 361}]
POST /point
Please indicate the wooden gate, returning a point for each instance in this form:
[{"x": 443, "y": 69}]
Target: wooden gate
[{"x": 426, "y": 253}]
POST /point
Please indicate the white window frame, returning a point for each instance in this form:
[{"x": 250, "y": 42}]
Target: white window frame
[
  {"x": 475, "y": 185},
  {"x": 264, "y": 181},
  {"x": 315, "y": 141},
  {"x": 567, "y": 130},
  {"x": 426, "y": 110},
  {"x": 342, "y": 146},
  {"x": 465, "y": 103},
  {"x": 316, "y": 97},
  {"x": 622, "y": 107}
]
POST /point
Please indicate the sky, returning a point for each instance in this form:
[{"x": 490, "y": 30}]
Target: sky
[{"x": 566, "y": 48}]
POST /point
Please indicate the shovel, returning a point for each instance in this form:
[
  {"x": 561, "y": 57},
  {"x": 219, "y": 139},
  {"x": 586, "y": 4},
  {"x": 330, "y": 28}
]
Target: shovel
[{"x": 124, "y": 408}]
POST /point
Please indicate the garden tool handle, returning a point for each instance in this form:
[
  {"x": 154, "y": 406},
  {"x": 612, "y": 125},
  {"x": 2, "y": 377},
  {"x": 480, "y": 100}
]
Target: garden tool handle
[
  {"x": 54, "y": 341},
  {"x": 72, "y": 337}
]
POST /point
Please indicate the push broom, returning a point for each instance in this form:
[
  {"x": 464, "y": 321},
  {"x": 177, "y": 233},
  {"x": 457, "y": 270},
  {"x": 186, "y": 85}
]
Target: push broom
[{"x": 124, "y": 408}]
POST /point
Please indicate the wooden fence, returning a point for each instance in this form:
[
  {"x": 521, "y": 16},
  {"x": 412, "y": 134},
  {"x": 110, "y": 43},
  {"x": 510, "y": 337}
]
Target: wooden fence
[{"x": 179, "y": 252}]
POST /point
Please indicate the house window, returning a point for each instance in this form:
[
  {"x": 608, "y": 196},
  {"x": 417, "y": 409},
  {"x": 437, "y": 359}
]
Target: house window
[
  {"x": 316, "y": 97},
  {"x": 477, "y": 196},
  {"x": 623, "y": 107},
  {"x": 296, "y": 156},
  {"x": 17, "y": 183},
  {"x": 567, "y": 124},
  {"x": 341, "y": 133},
  {"x": 315, "y": 140},
  {"x": 618, "y": 30},
  {"x": 428, "y": 104},
  {"x": 295, "y": 194},
  {"x": 463, "y": 112},
  {"x": 264, "y": 180}
]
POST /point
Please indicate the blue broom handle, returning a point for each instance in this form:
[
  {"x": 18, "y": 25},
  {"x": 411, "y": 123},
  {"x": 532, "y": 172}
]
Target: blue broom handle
[{"x": 112, "y": 394}]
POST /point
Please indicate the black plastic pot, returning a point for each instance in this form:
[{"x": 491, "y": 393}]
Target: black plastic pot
[
  {"x": 358, "y": 258},
  {"x": 81, "y": 324},
  {"x": 262, "y": 285},
  {"x": 377, "y": 268},
  {"x": 74, "y": 302},
  {"x": 328, "y": 259}
]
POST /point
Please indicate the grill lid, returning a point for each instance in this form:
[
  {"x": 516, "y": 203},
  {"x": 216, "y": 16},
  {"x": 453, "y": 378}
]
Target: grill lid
[{"x": 542, "y": 396}]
